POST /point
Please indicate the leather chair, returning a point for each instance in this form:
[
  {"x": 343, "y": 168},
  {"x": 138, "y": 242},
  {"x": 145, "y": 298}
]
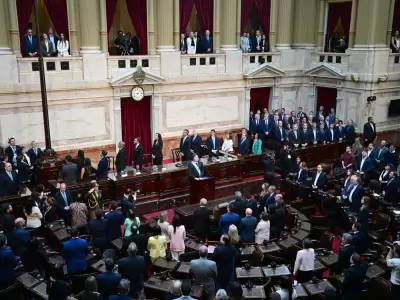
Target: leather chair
[
  {"x": 78, "y": 282},
  {"x": 378, "y": 288},
  {"x": 256, "y": 258},
  {"x": 321, "y": 221},
  {"x": 317, "y": 232},
  {"x": 12, "y": 292},
  {"x": 297, "y": 204},
  {"x": 272, "y": 258},
  {"x": 308, "y": 210},
  {"x": 325, "y": 240},
  {"x": 176, "y": 154},
  {"x": 380, "y": 227},
  {"x": 188, "y": 257}
]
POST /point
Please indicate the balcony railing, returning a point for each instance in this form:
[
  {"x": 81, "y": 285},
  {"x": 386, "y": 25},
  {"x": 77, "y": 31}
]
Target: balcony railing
[
  {"x": 118, "y": 65},
  {"x": 394, "y": 62},
  {"x": 251, "y": 60},
  {"x": 340, "y": 60},
  {"x": 56, "y": 69},
  {"x": 202, "y": 64}
]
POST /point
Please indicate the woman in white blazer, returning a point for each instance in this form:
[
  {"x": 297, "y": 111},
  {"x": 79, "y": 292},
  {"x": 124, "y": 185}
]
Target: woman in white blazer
[
  {"x": 227, "y": 146},
  {"x": 263, "y": 229},
  {"x": 63, "y": 46}
]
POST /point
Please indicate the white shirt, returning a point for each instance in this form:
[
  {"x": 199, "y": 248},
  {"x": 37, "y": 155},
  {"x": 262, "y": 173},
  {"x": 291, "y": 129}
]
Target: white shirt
[
  {"x": 262, "y": 231},
  {"x": 304, "y": 260},
  {"x": 332, "y": 135},
  {"x": 227, "y": 146},
  {"x": 394, "y": 264},
  {"x": 316, "y": 178},
  {"x": 362, "y": 163},
  {"x": 298, "y": 176},
  {"x": 295, "y": 133},
  {"x": 184, "y": 139},
  {"x": 28, "y": 160},
  {"x": 383, "y": 174},
  {"x": 33, "y": 220},
  {"x": 315, "y": 134},
  {"x": 213, "y": 140},
  {"x": 372, "y": 126},
  {"x": 351, "y": 193},
  {"x": 369, "y": 152}
]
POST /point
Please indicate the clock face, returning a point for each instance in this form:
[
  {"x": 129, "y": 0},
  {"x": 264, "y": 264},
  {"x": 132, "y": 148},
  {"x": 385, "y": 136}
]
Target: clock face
[{"x": 137, "y": 93}]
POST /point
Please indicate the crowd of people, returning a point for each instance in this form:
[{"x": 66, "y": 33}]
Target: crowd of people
[{"x": 49, "y": 45}]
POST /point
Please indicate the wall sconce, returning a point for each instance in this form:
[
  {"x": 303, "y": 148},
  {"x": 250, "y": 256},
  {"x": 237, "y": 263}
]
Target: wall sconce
[
  {"x": 355, "y": 77},
  {"x": 383, "y": 78}
]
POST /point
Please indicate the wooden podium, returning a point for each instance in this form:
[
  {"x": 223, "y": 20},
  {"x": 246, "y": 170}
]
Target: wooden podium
[{"x": 202, "y": 188}]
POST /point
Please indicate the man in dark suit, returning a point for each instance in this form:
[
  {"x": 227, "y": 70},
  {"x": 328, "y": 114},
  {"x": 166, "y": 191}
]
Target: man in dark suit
[
  {"x": 256, "y": 125},
  {"x": 102, "y": 167},
  {"x": 8, "y": 263},
  {"x": 195, "y": 143},
  {"x": 345, "y": 252},
  {"x": 228, "y": 219},
  {"x": 356, "y": 194},
  {"x": 238, "y": 205},
  {"x": 279, "y": 132},
  {"x": 21, "y": 237},
  {"x": 123, "y": 291},
  {"x": 185, "y": 146},
  {"x": 381, "y": 155},
  {"x": 115, "y": 220},
  {"x": 138, "y": 154},
  {"x": 319, "y": 179},
  {"x": 133, "y": 268},
  {"x": 12, "y": 151},
  {"x": 244, "y": 145},
  {"x": 201, "y": 220},
  {"x": 69, "y": 171},
  {"x": 34, "y": 153},
  {"x": 371, "y": 153},
  {"x": 358, "y": 239},
  {"x": 391, "y": 191},
  {"x": 252, "y": 204},
  {"x": 305, "y": 135},
  {"x": 30, "y": 44},
  {"x": 266, "y": 127},
  {"x": 340, "y": 131},
  {"x": 196, "y": 168},
  {"x": 183, "y": 44},
  {"x": 138, "y": 238},
  {"x": 364, "y": 163},
  {"x": 128, "y": 202},
  {"x": 350, "y": 132},
  {"x": 213, "y": 144},
  {"x": 63, "y": 200},
  {"x": 9, "y": 183},
  {"x": 247, "y": 226},
  {"x": 369, "y": 131},
  {"x": 255, "y": 41},
  {"x": 108, "y": 281},
  {"x": 331, "y": 134},
  {"x": 54, "y": 40},
  {"x": 74, "y": 252},
  {"x": 207, "y": 43},
  {"x": 353, "y": 279},
  {"x": 321, "y": 134},
  {"x": 270, "y": 200},
  {"x": 204, "y": 272},
  {"x": 294, "y": 137},
  {"x": 120, "y": 160},
  {"x": 302, "y": 175}
]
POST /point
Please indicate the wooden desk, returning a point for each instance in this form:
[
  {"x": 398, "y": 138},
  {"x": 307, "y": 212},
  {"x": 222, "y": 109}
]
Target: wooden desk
[
  {"x": 17, "y": 202},
  {"x": 271, "y": 247},
  {"x": 256, "y": 292},
  {"x": 254, "y": 272},
  {"x": 316, "y": 154},
  {"x": 276, "y": 272},
  {"x": 317, "y": 288}
]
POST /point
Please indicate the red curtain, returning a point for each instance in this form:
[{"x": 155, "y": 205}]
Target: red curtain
[
  {"x": 396, "y": 17},
  {"x": 24, "y": 11},
  {"x": 259, "y": 98},
  {"x": 185, "y": 11},
  {"x": 135, "y": 122},
  {"x": 247, "y": 6},
  {"x": 57, "y": 10},
  {"x": 111, "y": 7},
  {"x": 327, "y": 98},
  {"x": 263, "y": 10},
  {"x": 138, "y": 13},
  {"x": 338, "y": 11},
  {"x": 205, "y": 13}
]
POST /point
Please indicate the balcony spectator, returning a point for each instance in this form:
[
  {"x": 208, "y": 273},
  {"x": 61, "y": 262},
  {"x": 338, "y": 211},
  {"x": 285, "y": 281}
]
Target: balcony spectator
[
  {"x": 62, "y": 46},
  {"x": 30, "y": 44},
  {"x": 207, "y": 43},
  {"x": 191, "y": 44},
  {"x": 54, "y": 41},
  {"x": 396, "y": 42},
  {"x": 135, "y": 45},
  {"x": 198, "y": 42},
  {"x": 245, "y": 42},
  {"x": 255, "y": 42},
  {"x": 183, "y": 44},
  {"x": 46, "y": 46},
  {"x": 264, "y": 43}
]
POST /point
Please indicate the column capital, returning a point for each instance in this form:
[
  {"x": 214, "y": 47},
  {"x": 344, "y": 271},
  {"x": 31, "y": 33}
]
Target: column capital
[
  {"x": 228, "y": 32},
  {"x": 89, "y": 11},
  {"x": 165, "y": 25},
  {"x": 285, "y": 24}
]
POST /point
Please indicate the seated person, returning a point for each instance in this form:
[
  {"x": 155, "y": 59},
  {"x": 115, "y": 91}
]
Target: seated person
[
  {"x": 7, "y": 264},
  {"x": 302, "y": 175},
  {"x": 353, "y": 279},
  {"x": 364, "y": 164},
  {"x": 74, "y": 252},
  {"x": 345, "y": 252},
  {"x": 319, "y": 180},
  {"x": 359, "y": 241}
]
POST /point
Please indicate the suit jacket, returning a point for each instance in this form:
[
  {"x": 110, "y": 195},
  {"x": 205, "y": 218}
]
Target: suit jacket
[
  {"x": 293, "y": 139},
  {"x": 381, "y": 155},
  {"x": 266, "y": 126},
  {"x": 185, "y": 148},
  {"x": 108, "y": 284},
  {"x": 24, "y": 172},
  {"x": 244, "y": 146},
  {"x": 59, "y": 200},
  {"x": 102, "y": 168},
  {"x": 372, "y": 155},
  {"x": 322, "y": 180},
  {"x": 74, "y": 252},
  {"x": 238, "y": 207},
  {"x": 201, "y": 222},
  {"x": 305, "y": 136},
  {"x": 345, "y": 252},
  {"x": 7, "y": 263},
  {"x": 254, "y": 128},
  {"x": 34, "y": 157},
  {"x": 210, "y": 145},
  {"x": 127, "y": 204},
  {"x": 255, "y": 44},
  {"x": 252, "y": 204},
  {"x": 277, "y": 134},
  {"x": 368, "y": 133},
  {"x": 340, "y": 132},
  {"x": 264, "y": 45},
  {"x": 352, "y": 283},
  {"x": 359, "y": 242},
  {"x": 204, "y": 271},
  {"x": 367, "y": 166},
  {"x": 46, "y": 51},
  {"x": 69, "y": 173},
  {"x": 392, "y": 190},
  {"x": 10, "y": 154},
  {"x": 195, "y": 144},
  {"x": 226, "y": 220},
  {"x": 224, "y": 257},
  {"x": 99, "y": 231},
  {"x": 302, "y": 176},
  {"x": 9, "y": 187},
  {"x": 350, "y": 133},
  {"x": 133, "y": 268},
  {"x": 115, "y": 220},
  {"x": 355, "y": 198},
  {"x": 193, "y": 171},
  {"x": 29, "y": 47},
  {"x": 311, "y": 136},
  {"x": 20, "y": 241},
  {"x": 120, "y": 160},
  {"x": 140, "y": 240},
  {"x": 329, "y": 137},
  {"x": 183, "y": 45},
  {"x": 157, "y": 149},
  {"x": 246, "y": 229},
  {"x": 363, "y": 218},
  {"x": 138, "y": 156},
  {"x": 207, "y": 44},
  {"x": 321, "y": 135}
]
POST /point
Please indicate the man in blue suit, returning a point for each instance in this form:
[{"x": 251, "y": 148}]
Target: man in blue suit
[
  {"x": 34, "y": 153},
  {"x": 21, "y": 237},
  {"x": 358, "y": 239},
  {"x": 30, "y": 44},
  {"x": 256, "y": 125},
  {"x": 63, "y": 200},
  {"x": 353, "y": 280},
  {"x": 207, "y": 43},
  {"x": 279, "y": 133},
  {"x": 9, "y": 182},
  {"x": 74, "y": 252},
  {"x": 244, "y": 145},
  {"x": 102, "y": 167},
  {"x": 115, "y": 220},
  {"x": 321, "y": 134},
  {"x": 213, "y": 144},
  {"x": 228, "y": 219},
  {"x": 356, "y": 194},
  {"x": 108, "y": 281},
  {"x": 313, "y": 134},
  {"x": 364, "y": 164},
  {"x": 381, "y": 155},
  {"x": 266, "y": 127},
  {"x": 7, "y": 263},
  {"x": 331, "y": 135},
  {"x": 340, "y": 131},
  {"x": 302, "y": 175},
  {"x": 247, "y": 226},
  {"x": 371, "y": 153},
  {"x": 270, "y": 200}
]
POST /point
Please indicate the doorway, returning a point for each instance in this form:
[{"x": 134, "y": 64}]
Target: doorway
[
  {"x": 259, "y": 98},
  {"x": 326, "y": 97}
]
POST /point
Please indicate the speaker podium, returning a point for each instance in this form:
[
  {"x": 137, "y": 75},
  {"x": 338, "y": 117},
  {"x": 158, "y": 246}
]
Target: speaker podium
[{"x": 202, "y": 188}]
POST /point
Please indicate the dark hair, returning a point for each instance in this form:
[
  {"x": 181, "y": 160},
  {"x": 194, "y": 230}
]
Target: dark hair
[
  {"x": 307, "y": 244},
  {"x": 265, "y": 216},
  {"x": 109, "y": 262},
  {"x": 212, "y": 130},
  {"x": 128, "y": 191},
  {"x": 104, "y": 153},
  {"x": 397, "y": 249},
  {"x": 159, "y": 136},
  {"x": 235, "y": 290},
  {"x": 74, "y": 232},
  {"x": 138, "y": 139},
  {"x": 98, "y": 213},
  {"x": 131, "y": 214},
  {"x": 231, "y": 206},
  {"x": 10, "y": 139},
  {"x": 4, "y": 208},
  {"x": 286, "y": 283},
  {"x": 19, "y": 158},
  {"x": 156, "y": 230},
  {"x": 134, "y": 229},
  {"x": 40, "y": 188},
  {"x": 226, "y": 239},
  {"x": 367, "y": 200},
  {"x": 58, "y": 272},
  {"x": 358, "y": 226},
  {"x": 29, "y": 205},
  {"x": 176, "y": 222},
  {"x": 68, "y": 158},
  {"x": 87, "y": 162},
  {"x": 356, "y": 258},
  {"x": 81, "y": 154},
  {"x": 3, "y": 240},
  {"x": 114, "y": 205},
  {"x": 248, "y": 196},
  {"x": 186, "y": 287}
]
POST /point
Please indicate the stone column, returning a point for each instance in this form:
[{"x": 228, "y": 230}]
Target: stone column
[
  {"x": 371, "y": 23},
  {"x": 90, "y": 26},
  {"x": 13, "y": 27},
  {"x": 103, "y": 27},
  {"x": 176, "y": 25},
  {"x": 217, "y": 26},
  {"x": 285, "y": 24},
  {"x": 73, "y": 32},
  {"x": 228, "y": 22},
  {"x": 321, "y": 22},
  {"x": 151, "y": 40},
  {"x": 390, "y": 22},
  {"x": 246, "y": 107},
  {"x": 272, "y": 22},
  {"x": 305, "y": 12},
  {"x": 165, "y": 17},
  {"x": 238, "y": 22},
  {"x": 353, "y": 20},
  {"x": 4, "y": 34}
]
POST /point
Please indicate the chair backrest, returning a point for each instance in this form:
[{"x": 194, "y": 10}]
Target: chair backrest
[
  {"x": 78, "y": 282},
  {"x": 378, "y": 288},
  {"x": 382, "y": 221},
  {"x": 176, "y": 154},
  {"x": 12, "y": 292},
  {"x": 278, "y": 260},
  {"x": 319, "y": 221},
  {"x": 256, "y": 258},
  {"x": 188, "y": 257}
]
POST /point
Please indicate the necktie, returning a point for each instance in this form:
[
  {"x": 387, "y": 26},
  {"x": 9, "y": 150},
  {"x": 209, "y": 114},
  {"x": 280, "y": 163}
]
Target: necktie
[
  {"x": 34, "y": 149},
  {"x": 332, "y": 135},
  {"x": 213, "y": 139},
  {"x": 350, "y": 187},
  {"x": 295, "y": 134},
  {"x": 65, "y": 198},
  {"x": 257, "y": 122},
  {"x": 10, "y": 175},
  {"x": 30, "y": 39},
  {"x": 192, "y": 44}
]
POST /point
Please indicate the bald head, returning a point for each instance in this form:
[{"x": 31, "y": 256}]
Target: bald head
[
  {"x": 203, "y": 251},
  {"x": 249, "y": 212}
]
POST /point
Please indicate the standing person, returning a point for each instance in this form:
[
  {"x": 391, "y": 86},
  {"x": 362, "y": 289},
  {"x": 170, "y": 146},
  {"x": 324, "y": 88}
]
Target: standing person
[
  {"x": 227, "y": 145},
  {"x": 57, "y": 288},
  {"x": 34, "y": 153},
  {"x": 224, "y": 256},
  {"x": 115, "y": 220},
  {"x": 131, "y": 220},
  {"x": 157, "y": 245},
  {"x": 184, "y": 146},
  {"x": 21, "y": 237},
  {"x": 164, "y": 224},
  {"x": 201, "y": 220},
  {"x": 98, "y": 228},
  {"x": 177, "y": 233},
  {"x": 212, "y": 143},
  {"x": 183, "y": 44},
  {"x": 63, "y": 46},
  {"x": 196, "y": 168},
  {"x": 257, "y": 145},
  {"x": 395, "y": 45},
  {"x": 94, "y": 198},
  {"x": 33, "y": 215},
  {"x": 353, "y": 279},
  {"x": 128, "y": 201},
  {"x": 69, "y": 171},
  {"x": 369, "y": 132},
  {"x": 157, "y": 150},
  {"x": 207, "y": 42},
  {"x": 74, "y": 252},
  {"x": 287, "y": 292},
  {"x": 393, "y": 262},
  {"x": 8, "y": 263},
  {"x": 228, "y": 219},
  {"x": 247, "y": 227},
  {"x": 138, "y": 154},
  {"x": 195, "y": 143},
  {"x": 49, "y": 211},
  {"x": 304, "y": 264},
  {"x": 9, "y": 181},
  {"x": 79, "y": 212},
  {"x": 204, "y": 272},
  {"x": 90, "y": 291},
  {"x": 120, "y": 160},
  {"x": 109, "y": 280},
  {"x": 102, "y": 167}
]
